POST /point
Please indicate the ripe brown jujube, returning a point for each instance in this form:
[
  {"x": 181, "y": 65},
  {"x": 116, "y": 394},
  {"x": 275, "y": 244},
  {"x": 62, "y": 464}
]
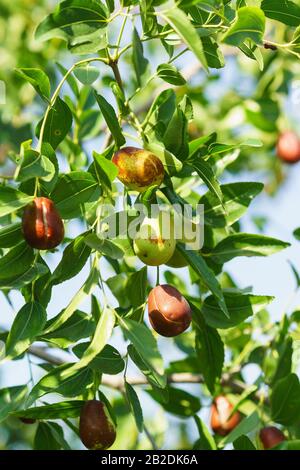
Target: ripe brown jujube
[
  {"x": 28, "y": 420},
  {"x": 271, "y": 437},
  {"x": 42, "y": 225},
  {"x": 288, "y": 147},
  {"x": 220, "y": 420},
  {"x": 138, "y": 168},
  {"x": 169, "y": 312},
  {"x": 96, "y": 428}
]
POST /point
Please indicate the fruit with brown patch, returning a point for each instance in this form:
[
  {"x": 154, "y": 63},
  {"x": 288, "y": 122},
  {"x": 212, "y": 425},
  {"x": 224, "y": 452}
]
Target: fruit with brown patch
[
  {"x": 139, "y": 169},
  {"x": 288, "y": 147},
  {"x": 271, "y": 436},
  {"x": 42, "y": 225},
  {"x": 169, "y": 312},
  {"x": 220, "y": 420},
  {"x": 96, "y": 428},
  {"x": 155, "y": 243}
]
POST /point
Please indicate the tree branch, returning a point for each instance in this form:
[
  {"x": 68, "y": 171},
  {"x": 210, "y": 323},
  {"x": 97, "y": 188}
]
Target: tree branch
[{"x": 117, "y": 383}]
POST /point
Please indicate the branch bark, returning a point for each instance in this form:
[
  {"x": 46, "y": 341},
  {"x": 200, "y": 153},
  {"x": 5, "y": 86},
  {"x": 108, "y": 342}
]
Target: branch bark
[{"x": 117, "y": 382}]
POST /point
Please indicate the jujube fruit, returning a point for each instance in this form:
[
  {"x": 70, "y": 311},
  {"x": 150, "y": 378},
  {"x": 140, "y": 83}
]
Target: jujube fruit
[
  {"x": 138, "y": 168},
  {"x": 177, "y": 260},
  {"x": 220, "y": 420},
  {"x": 27, "y": 420},
  {"x": 288, "y": 147},
  {"x": 154, "y": 242},
  {"x": 169, "y": 312},
  {"x": 96, "y": 428},
  {"x": 271, "y": 436},
  {"x": 42, "y": 225}
]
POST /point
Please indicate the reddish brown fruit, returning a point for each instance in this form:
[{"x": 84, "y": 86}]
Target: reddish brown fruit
[
  {"x": 271, "y": 437},
  {"x": 288, "y": 147},
  {"x": 220, "y": 420},
  {"x": 42, "y": 225},
  {"x": 138, "y": 168},
  {"x": 28, "y": 420},
  {"x": 169, "y": 312},
  {"x": 96, "y": 428}
]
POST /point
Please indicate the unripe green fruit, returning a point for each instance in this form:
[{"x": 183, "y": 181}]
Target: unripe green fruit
[
  {"x": 96, "y": 428},
  {"x": 177, "y": 260},
  {"x": 139, "y": 169},
  {"x": 150, "y": 245}
]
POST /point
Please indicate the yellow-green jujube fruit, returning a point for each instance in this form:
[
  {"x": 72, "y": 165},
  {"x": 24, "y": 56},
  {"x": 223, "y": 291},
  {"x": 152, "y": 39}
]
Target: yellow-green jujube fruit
[
  {"x": 177, "y": 260},
  {"x": 155, "y": 242}
]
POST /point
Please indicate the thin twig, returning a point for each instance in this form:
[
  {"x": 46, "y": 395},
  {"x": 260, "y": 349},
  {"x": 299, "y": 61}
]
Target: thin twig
[{"x": 117, "y": 383}]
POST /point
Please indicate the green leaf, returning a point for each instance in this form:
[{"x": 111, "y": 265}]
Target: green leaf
[
  {"x": 176, "y": 135},
  {"x": 66, "y": 269},
  {"x": 136, "y": 287},
  {"x": 284, "y": 364},
  {"x": 61, "y": 410},
  {"x": 58, "y": 123},
  {"x": 12, "y": 200},
  {"x": 285, "y": 404},
  {"x": 296, "y": 234},
  {"x": 209, "y": 279},
  {"x": 247, "y": 425},
  {"x": 140, "y": 63},
  {"x": 18, "y": 267},
  {"x": 240, "y": 307},
  {"x": 170, "y": 74},
  {"x": 143, "y": 341},
  {"x": 78, "y": 326},
  {"x": 210, "y": 352},
  {"x": 38, "y": 79},
  {"x": 111, "y": 120},
  {"x": 72, "y": 191},
  {"x": 81, "y": 295},
  {"x": 249, "y": 24},
  {"x": 171, "y": 164},
  {"x": 100, "y": 338},
  {"x": 245, "y": 244},
  {"x": 27, "y": 325},
  {"x": 55, "y": 382},
  {"x": 236, "y": 199},
  {"x": 87, "y": 74},
  {"x": 108, "y": 361},
  {"x": 11, "y": 235},
  {"x": 213, "y": 53},
  {"x": 50, "y": 436},
  {"x": 35, "y": 165},
  {"x": 11, "y": 398},
  {"x": 104, "y": 246},
  {"x": 181, "y": 24},
  {"x": 282, "y": 10},
  {"x": 243, "y": 443},
  {"x": 206, "y": 173},
  {"x": 73, "y": 18},
  {"x": 105, "y": 170},
  {"x": 152, "y": 376},
  {"x": 181, "y": 403},
  {"x": 206, "y": 440},
  {"x": 135, "y": 406}
]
